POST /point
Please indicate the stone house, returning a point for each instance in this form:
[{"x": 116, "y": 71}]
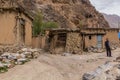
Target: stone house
[
  {"x": 77, "y": 40},
  {"x": 15, "y": 25}
]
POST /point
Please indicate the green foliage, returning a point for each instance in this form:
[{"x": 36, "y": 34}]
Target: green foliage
[
  {"x": 39, "y": 26},
  {"x": 50, "y": 25},
  {"x": 3, "y": 69}
]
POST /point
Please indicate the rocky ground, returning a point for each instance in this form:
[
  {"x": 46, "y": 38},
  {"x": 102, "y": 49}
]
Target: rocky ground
[{"x": 57, "y": 67}]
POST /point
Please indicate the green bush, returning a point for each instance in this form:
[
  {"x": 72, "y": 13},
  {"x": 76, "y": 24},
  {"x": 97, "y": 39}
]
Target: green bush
[
  {"x": 3, "y": 69},
  {"x": 50, "y": 25},
  {"x": 39, "y": 26}
]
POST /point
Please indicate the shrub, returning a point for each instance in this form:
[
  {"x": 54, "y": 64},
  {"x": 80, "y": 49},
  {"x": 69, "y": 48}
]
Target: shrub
[{"x": 39, "y": 26}]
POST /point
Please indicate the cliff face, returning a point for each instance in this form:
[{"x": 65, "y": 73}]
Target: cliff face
[
  {"x": 71, "y": 13},
  {"x": 67, "y": 13}
]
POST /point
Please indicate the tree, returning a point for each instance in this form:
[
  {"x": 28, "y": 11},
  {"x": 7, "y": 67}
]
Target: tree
[
  {"x": 50, "y": 25},
  {"x": 39, "y": 26}
]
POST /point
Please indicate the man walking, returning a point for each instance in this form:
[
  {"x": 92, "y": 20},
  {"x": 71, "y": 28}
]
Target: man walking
[{"x": 107, "y": 46}]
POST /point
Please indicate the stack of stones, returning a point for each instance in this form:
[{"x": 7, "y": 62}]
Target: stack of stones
[
  {"x": 9, "y": 59},
  {"x": 95, "y": 49}
]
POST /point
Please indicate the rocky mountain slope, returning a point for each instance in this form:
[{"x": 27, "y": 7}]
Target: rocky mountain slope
[
  {"x": 67, "y": 13},
  {"x": 113, "y": 20}
]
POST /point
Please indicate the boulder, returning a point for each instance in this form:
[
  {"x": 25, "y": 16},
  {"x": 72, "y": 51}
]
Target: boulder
[
  {"x": 107, "y": 71},
  {"x": 35, "y": 54},
  {"x": 66, "y": 54},
  {"x": 28, "y": 54},
  {"x": 118, "y": 59},
  {"x": 21, "y": 61}
]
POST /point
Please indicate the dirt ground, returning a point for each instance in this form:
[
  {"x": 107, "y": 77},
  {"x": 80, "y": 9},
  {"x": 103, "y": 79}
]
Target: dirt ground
[{"x": 57, "y": 67}]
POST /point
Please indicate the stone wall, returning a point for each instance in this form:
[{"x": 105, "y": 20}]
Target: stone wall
[{"x": 73, "y": 42}]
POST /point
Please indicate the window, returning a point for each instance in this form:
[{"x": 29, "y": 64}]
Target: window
[
  {"x": 22, "y": 21},
  {"x": 61, "y": 39},
  {"x": 90, "y": 37}
]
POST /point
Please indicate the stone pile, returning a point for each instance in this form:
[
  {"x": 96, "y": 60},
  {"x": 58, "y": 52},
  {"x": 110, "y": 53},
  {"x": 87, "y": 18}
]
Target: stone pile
[
  {"x": 114, "y": 45},
  {"x": 9, "y": 59},
  {"x": 95, "y": 49},
  {"x": 107, "y": 71}
]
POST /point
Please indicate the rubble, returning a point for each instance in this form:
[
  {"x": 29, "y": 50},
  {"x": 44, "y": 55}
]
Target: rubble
[
  {"x": 114, "y": 45},
  {"x": 66, "y": 54},
  {"x": 95, "y": 49},
  {"x": 11, "y": 57},
  {"x": 107, "y": 71}
]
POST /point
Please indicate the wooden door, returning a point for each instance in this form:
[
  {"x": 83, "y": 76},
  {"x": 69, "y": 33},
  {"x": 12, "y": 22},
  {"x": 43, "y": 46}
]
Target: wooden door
[{"x": 99, "y": 41}]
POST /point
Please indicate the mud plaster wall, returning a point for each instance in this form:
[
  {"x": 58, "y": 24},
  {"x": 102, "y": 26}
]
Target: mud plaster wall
[
  {"x": 73, "y": 42},
  {"x": 7, "y": 24},
  {"x": 28, "y": 30},
  {"x": 9, "y": 33},
  {"x": 91, "y": 42}
]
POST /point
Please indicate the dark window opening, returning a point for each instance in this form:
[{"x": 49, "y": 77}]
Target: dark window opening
[
  {"x": 61, "y": 41},
  {"x": 22, "y": 21},
  {"x": 90, "y": 37}
]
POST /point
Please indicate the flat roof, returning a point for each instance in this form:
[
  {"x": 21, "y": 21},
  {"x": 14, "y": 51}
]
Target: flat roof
[{"x": 79, "y": 29}]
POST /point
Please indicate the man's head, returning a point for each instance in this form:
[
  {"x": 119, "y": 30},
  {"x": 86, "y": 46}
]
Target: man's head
[{"x": 106, "y": 39}]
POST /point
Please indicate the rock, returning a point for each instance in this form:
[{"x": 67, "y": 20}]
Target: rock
[
  {"x": 66, "y": 54},
  {"x": 34, "y": 50},
  {"x": 21, "y": 61},
  {"x": 28, "y": 54},
  {"x": 5, "y": 60},
  {"x": 95, "y": 49},
  {"x": 118, "y": 59},
  {"x": 1, "y": 50},
  {"x": 8, "y": 65},
  {"x": 24, "y": 49},
  {"x": 22, "y": 55},
  {"x": 1, "y": 65},
  {"x": 107, "y": 71},
  {"x": 9, "y": 59},
  {"x": 88, "y": 76},
  {"x": 6, "y": 54},
  {"x": 35, "y": 54}
]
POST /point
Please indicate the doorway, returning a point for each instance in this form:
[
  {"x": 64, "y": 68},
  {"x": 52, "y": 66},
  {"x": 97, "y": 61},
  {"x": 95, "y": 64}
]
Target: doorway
[
  {"x": 99, "y": 41},
  {"x": 22, "y": 30}
]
